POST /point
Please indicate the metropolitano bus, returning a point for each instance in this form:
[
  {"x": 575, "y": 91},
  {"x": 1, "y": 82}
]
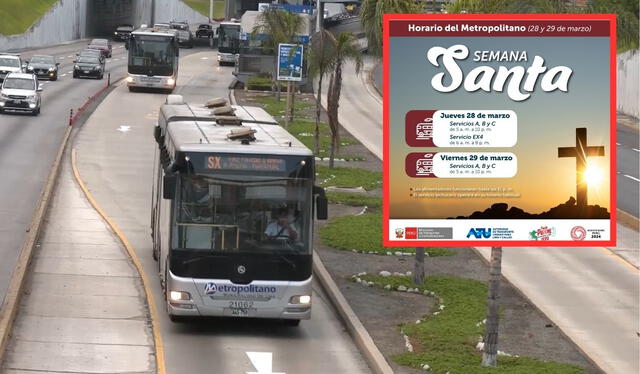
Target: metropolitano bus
[
  {"x": 226, "y": 191},
  {"x": 153, "y": 58},
  {"x": 228, "y": 42}
]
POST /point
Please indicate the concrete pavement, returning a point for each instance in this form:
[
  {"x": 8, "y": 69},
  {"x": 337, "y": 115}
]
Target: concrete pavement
[
  {"x": 117, "y": 167},
  {"x": 84, "y": 308},
  {"x": 590, "y": 293}
]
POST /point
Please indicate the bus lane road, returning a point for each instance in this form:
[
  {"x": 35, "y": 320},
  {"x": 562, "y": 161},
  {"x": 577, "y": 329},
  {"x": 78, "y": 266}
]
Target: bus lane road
[
  {"x": 28, "y": 146},
  {"x": 116, "y": 159}
]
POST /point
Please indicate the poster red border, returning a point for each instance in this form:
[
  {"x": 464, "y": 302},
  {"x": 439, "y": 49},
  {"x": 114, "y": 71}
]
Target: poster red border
[{"x": 514, "y": 243}]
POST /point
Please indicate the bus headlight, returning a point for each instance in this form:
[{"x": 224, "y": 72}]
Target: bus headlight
[
  {"x": 129, "y": 79},
  {"x": 301, "y": 299},
  {"x": 171, "y": 81},
  {"x": 179, "y": 296}
]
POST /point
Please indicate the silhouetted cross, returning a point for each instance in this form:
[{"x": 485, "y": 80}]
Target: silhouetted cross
[{"x": 581, "y": 151}]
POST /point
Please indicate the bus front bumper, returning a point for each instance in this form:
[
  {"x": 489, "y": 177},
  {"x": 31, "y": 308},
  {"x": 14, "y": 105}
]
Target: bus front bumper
[
  {"x": 189, "y": 299},
  {"x": 151, "y": 82}
]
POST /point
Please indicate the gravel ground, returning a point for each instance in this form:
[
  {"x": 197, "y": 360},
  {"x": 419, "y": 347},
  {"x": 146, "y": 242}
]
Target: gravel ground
[{"x": 524, "y": 330}]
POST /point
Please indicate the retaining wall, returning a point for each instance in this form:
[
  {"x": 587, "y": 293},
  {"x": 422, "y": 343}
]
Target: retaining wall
[
  {"x": 629, "y": 83},
  {"x": 68, "y": 20}
]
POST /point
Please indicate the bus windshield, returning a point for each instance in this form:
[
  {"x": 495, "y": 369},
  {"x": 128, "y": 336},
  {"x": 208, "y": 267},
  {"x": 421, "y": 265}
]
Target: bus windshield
[
  {"x": 242, "y": 213},
  {"x": 152, "y": 55},
  {"x": 229, "y": 38}
]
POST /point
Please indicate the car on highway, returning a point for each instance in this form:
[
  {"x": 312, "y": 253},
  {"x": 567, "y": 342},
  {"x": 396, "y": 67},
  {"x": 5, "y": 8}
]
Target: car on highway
[
  {"x": 43, "y": 67},
  {"x": 89, "y": 66},
  {"x": 9, "y": 63},
  {"x": 162, "y": 26},
  {"x": 20, "y": 92},
  {"x": 185, "y": 37},
  {"x": 122, "y": 32},
  {"x": 204, "y": 30},
  {"x": 103, "y": 45},
  {"x": 92, "y": 53}
]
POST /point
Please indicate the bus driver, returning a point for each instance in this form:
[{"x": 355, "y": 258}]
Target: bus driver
[{"x": 281, "y": 228}]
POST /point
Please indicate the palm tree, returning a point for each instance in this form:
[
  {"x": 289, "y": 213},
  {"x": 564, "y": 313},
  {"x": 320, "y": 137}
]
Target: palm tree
[
  {"x": 346, "y": 50},
  {"x": 490, "y": 354},
  {"x": 279, "y": 26},
  {"x": 321, "y": 61},
  {"x": 371, "y": 18},
  {"x": 418, "y": 267}
]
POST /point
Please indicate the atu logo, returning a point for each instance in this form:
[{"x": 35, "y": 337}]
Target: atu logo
[{"x": 479, "y": 233}]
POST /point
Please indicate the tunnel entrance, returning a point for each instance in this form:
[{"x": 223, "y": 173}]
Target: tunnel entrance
[{"x": 103, "y": 16}]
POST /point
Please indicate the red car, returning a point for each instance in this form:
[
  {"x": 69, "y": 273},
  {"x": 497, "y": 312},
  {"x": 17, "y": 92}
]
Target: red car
[{"x": 103, "y": 45}]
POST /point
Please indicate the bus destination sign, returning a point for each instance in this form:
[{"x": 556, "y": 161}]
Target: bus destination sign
[{"x": 245, "y": 163}]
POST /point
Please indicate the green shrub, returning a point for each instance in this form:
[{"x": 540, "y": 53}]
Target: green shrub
[{"x": 363, "y": 233}]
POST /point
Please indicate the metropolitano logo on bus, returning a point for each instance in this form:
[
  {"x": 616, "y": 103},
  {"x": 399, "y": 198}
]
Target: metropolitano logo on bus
[{"x": 211, "y": 289}]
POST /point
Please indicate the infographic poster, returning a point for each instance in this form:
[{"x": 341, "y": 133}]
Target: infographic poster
[{"x": 499, "y": 130}]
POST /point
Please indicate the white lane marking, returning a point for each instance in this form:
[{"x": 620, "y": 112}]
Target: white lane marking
[
  {"x": 64, "y": 75},
  {"x": 634, "y": 178},
  {"x": 637, "y": 150},
  {"x": 70, "y": 72},
  {"x": 262, "y": 361},
  {"x": 70, "y": 56},
  {"x": 124, "y": 128},
  {"x": 204, "y": 58},
  {"x": 618, "y": 144},
  {"x": 62, "y": 58}
]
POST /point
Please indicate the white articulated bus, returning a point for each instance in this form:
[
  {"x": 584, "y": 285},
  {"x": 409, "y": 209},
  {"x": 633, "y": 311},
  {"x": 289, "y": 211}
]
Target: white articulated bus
[
  {"x": 232, "y": 213},
  {"x": 153, "y": 59}
]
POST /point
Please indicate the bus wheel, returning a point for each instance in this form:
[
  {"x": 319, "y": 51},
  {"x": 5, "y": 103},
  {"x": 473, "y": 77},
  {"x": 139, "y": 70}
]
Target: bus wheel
[{"x": 291, "y": 322}]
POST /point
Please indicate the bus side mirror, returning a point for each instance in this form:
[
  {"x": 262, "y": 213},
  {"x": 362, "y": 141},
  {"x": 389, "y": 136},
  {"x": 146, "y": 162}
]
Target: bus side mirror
[
  {"x": 322, "y": 206},
  {"x": 169, "y": 186}
]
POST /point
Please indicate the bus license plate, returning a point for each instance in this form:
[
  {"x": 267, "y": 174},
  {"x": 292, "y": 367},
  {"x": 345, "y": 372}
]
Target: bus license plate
[
  {"x": 240, "y": 309},
  {"x": 240, "y": 312}
]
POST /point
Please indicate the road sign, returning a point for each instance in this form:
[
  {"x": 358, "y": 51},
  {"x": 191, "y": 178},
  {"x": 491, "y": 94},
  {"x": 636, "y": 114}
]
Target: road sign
[{"x": 289, "y": 62}]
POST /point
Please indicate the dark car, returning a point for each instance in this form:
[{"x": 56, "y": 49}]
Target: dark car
[
  {"x": 43, "y": 67},
  {"x": 102, "y": 45},
  {"x": 88, "y": 66},
  {"x": 204, "y": 30},
  {"x": 92, "y": 53},
  {"x": 122, "y": 32}
]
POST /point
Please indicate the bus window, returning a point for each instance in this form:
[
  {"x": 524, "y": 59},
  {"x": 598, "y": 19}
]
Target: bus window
[{"x": 242, "y": 212}]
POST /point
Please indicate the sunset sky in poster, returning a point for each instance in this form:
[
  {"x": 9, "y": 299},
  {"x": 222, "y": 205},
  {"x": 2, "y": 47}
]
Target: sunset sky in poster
[{"x": 546, "y": 121}]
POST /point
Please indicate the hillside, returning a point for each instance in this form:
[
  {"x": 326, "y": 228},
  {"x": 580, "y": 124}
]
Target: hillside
[{"x": 16, "y": 16}]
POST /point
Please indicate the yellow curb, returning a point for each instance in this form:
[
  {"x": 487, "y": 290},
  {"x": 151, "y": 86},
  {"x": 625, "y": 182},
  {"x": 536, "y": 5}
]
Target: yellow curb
[
  {"x": 157, "y": 338},
  {"x": 16, "y": 284}
]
